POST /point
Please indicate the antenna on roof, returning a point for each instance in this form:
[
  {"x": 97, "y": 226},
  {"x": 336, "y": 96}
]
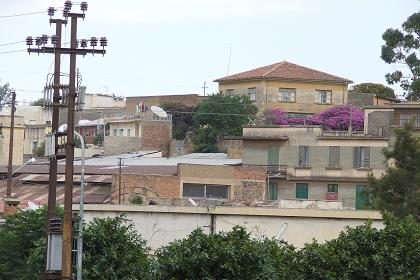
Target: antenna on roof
[
  {"x": 230, "y": 53},
  {"x": 158, "y": 111}
]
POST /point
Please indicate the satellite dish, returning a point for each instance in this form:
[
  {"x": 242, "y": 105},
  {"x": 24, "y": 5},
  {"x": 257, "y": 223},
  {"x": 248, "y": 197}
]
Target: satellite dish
[
  {"x": 158, "y": 111},
  {"x": 62, "y": 128}
]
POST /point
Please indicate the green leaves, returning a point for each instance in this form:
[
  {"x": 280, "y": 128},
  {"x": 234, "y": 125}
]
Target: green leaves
[
  {"x": 402, "y": 47},
  {"x": 218, "y": 116},
  {"x": 398, "y": 190},
  {"x": 378, "y": 89}
]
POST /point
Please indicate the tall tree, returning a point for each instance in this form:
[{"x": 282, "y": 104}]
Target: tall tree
[
  {"x": 38, "y": 102},
  {"x": 221, "y": 115},
  {"x": 398, "y": 190},
  {"x": 5, "y": 96},
  {"x": 378, "y": 89},
  {"x": 402, "y": 47}
]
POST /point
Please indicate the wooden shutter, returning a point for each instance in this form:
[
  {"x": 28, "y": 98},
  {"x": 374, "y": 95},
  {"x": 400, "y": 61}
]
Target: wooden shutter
[
  {"x": 302, "y": 190},
  {"x": 356, "y": 157},
  {"x": 366, "y": 156},
  {"x": 329, "y": 96}
]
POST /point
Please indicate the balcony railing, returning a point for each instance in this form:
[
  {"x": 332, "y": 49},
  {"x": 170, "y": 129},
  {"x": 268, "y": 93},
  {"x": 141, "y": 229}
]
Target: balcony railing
[
  {"x": 276, "y": 171},
  {"x": 342, "y": 133}
]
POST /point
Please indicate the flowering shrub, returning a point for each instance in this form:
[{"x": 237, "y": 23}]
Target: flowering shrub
[{"x": 336, "y": 118}]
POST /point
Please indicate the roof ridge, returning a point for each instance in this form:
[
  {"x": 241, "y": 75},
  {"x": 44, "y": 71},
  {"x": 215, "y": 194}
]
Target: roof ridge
[{"x": 276, "y": 65}]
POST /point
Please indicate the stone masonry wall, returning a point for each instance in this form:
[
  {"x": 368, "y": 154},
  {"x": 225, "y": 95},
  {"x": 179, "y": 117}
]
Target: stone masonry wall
[{"x": 250, "y": 183}]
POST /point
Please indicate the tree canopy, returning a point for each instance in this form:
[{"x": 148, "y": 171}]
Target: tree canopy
[
  {"x": 402, "y": 47},
  {"x": 221, "y": 115},
  {"x": 378, "y": 89},
  {"x": 5, "y": 96},
  {"x": 38, "y": 102},
  {"x": 398, "y": 190}
]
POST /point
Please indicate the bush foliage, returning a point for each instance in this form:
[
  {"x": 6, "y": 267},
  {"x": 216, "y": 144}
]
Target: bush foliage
[{"x": 114, "y": 250}]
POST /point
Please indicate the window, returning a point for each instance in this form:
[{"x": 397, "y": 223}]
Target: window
[
  {"x": 361, "y": 157},
  {"x": 273, "y": 191},
  {"x": 362, "y": 197},
  {"x": 406, "y": 118},
  {"x": 287, "y": 94},
  {"x": 273, "y": 158},
  {"x": 303, "y": 156},
  {"x": 34, "y": 145},
  {"x": 334, "y": 156},
  {"x": 230, "y": 92},
  {"x": 302, "y": 190},
  {"x": 121, "y": 132},
  {"x": 203, "y": 190},
  {"x": 128, "y": 132},
  {"x": 333, "y": 188},
  {"x": 323, "y": 96},
  {"x": 252, "y": 93},
  {"x": 114, "y": 132}
]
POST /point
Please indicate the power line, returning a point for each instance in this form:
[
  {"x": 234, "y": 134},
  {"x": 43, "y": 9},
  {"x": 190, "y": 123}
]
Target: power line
[
  {"x": 23, "y": 14},
  {"x": 12, "y": 43},
  {"x": 24, "y": 50}
]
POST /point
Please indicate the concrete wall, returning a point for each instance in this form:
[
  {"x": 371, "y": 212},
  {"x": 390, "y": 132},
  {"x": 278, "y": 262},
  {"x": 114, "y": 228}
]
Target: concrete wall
[
  {"x": 267, "y": 95},
  {"x": 32, "y": 114},
  {"x": 160, "y": 225},
  {"x": 18, "y": 140},
  {"x": 121, "y": 144},
  {"x": 34, "y": 134}
]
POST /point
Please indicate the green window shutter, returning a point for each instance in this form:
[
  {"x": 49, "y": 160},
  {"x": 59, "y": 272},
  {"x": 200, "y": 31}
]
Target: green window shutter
[
  {"x": 273, "y": 155},
  {"x": 273, "y": 191},
  {"x": 302, "y": 190},
  {"x": 362, "y": 197}
]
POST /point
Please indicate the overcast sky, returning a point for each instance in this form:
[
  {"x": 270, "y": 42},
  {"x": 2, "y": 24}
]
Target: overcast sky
[{"x": 172, "y": 46}]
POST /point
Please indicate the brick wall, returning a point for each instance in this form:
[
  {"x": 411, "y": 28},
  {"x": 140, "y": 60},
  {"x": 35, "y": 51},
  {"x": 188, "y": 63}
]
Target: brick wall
[
  {"x": 145, "y": 185},
  {"x": 156, "y": 135}
]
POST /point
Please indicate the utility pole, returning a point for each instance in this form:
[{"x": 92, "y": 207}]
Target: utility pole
[
  {"x": 12, "y": 128},
  {"x": 119, "y": 180},
  {"x": 69, "y": 102},
  {"x": 204, "y": 87}
]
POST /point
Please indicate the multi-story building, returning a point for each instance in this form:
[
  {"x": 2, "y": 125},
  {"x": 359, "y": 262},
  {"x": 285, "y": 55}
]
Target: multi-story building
[
  {"x": 129, "y": 134},
  {"x": 305, "y": 162},
  {"x": 291, "y": 87},
  {"x": 17, "y": 140}
]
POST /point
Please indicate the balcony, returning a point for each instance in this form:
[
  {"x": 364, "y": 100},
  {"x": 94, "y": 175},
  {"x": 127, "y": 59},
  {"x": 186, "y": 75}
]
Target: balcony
[{"x": 276, "y": 171}]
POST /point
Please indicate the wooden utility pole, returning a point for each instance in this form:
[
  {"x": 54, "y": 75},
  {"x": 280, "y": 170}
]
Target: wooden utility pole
[{"x": 10, "y": 164}]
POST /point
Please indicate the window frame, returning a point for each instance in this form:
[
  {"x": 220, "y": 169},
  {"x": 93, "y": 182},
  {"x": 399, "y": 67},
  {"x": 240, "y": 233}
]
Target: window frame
[
  {"x": 205, "y": 191},
  {"x": 330, "y": 162},
  {"x": 361, "y": 157},
  {"x": 230, "y": 91},
  {"x": 304, "y": 151},
  {"x": 332, "y": 188},
  {"x": 252, "y": 93},
  {"x": 291, "y": 98},
  {"x": 273, "y": 186},
  {"x": 328, "y": 96}
]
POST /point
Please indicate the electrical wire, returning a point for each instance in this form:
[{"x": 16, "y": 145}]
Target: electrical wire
[
  {"x": 23, "y": 14},
  {"x": 12, "y": 43},
  {"x": 24, "y": 50}
]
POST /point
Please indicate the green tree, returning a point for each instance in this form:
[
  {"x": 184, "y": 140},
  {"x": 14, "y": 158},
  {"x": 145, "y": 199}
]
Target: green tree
[
  {"x": 229, "y": 255},
  {"x": 365, "y": 252},
  {"x": 378, "y": 89},
  {"x": 5, "y": 96},
  {"x": 402, "y": 47},
  {"x": 38, "y": 102},
  {"x": 18, "y": 237},
  {"x": 182, "y": 120},
  {"x": 114, "y": 250},
  {"x": 221, "y": 115},
  {"x": 40, "y": 150},
  {"x": 398, "y": 190}
]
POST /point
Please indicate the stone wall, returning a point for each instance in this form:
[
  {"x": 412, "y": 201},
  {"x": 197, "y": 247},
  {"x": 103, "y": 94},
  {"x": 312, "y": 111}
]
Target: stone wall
[
  {"x": 145, "y": 185},
  {"x": 250, "y": 183}
]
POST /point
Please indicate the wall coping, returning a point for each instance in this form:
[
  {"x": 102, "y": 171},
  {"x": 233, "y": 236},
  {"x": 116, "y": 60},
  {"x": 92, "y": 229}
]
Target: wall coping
[{"x": 245, "y": 211}]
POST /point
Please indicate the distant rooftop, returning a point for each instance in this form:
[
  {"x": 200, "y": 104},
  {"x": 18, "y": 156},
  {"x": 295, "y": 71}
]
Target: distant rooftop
[
  {"x": 284, "y": 71},
  {"x": 137, "y": 159}
]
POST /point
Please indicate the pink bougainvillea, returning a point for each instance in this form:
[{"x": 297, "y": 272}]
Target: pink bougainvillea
[{"x": 336, "y": 118}]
